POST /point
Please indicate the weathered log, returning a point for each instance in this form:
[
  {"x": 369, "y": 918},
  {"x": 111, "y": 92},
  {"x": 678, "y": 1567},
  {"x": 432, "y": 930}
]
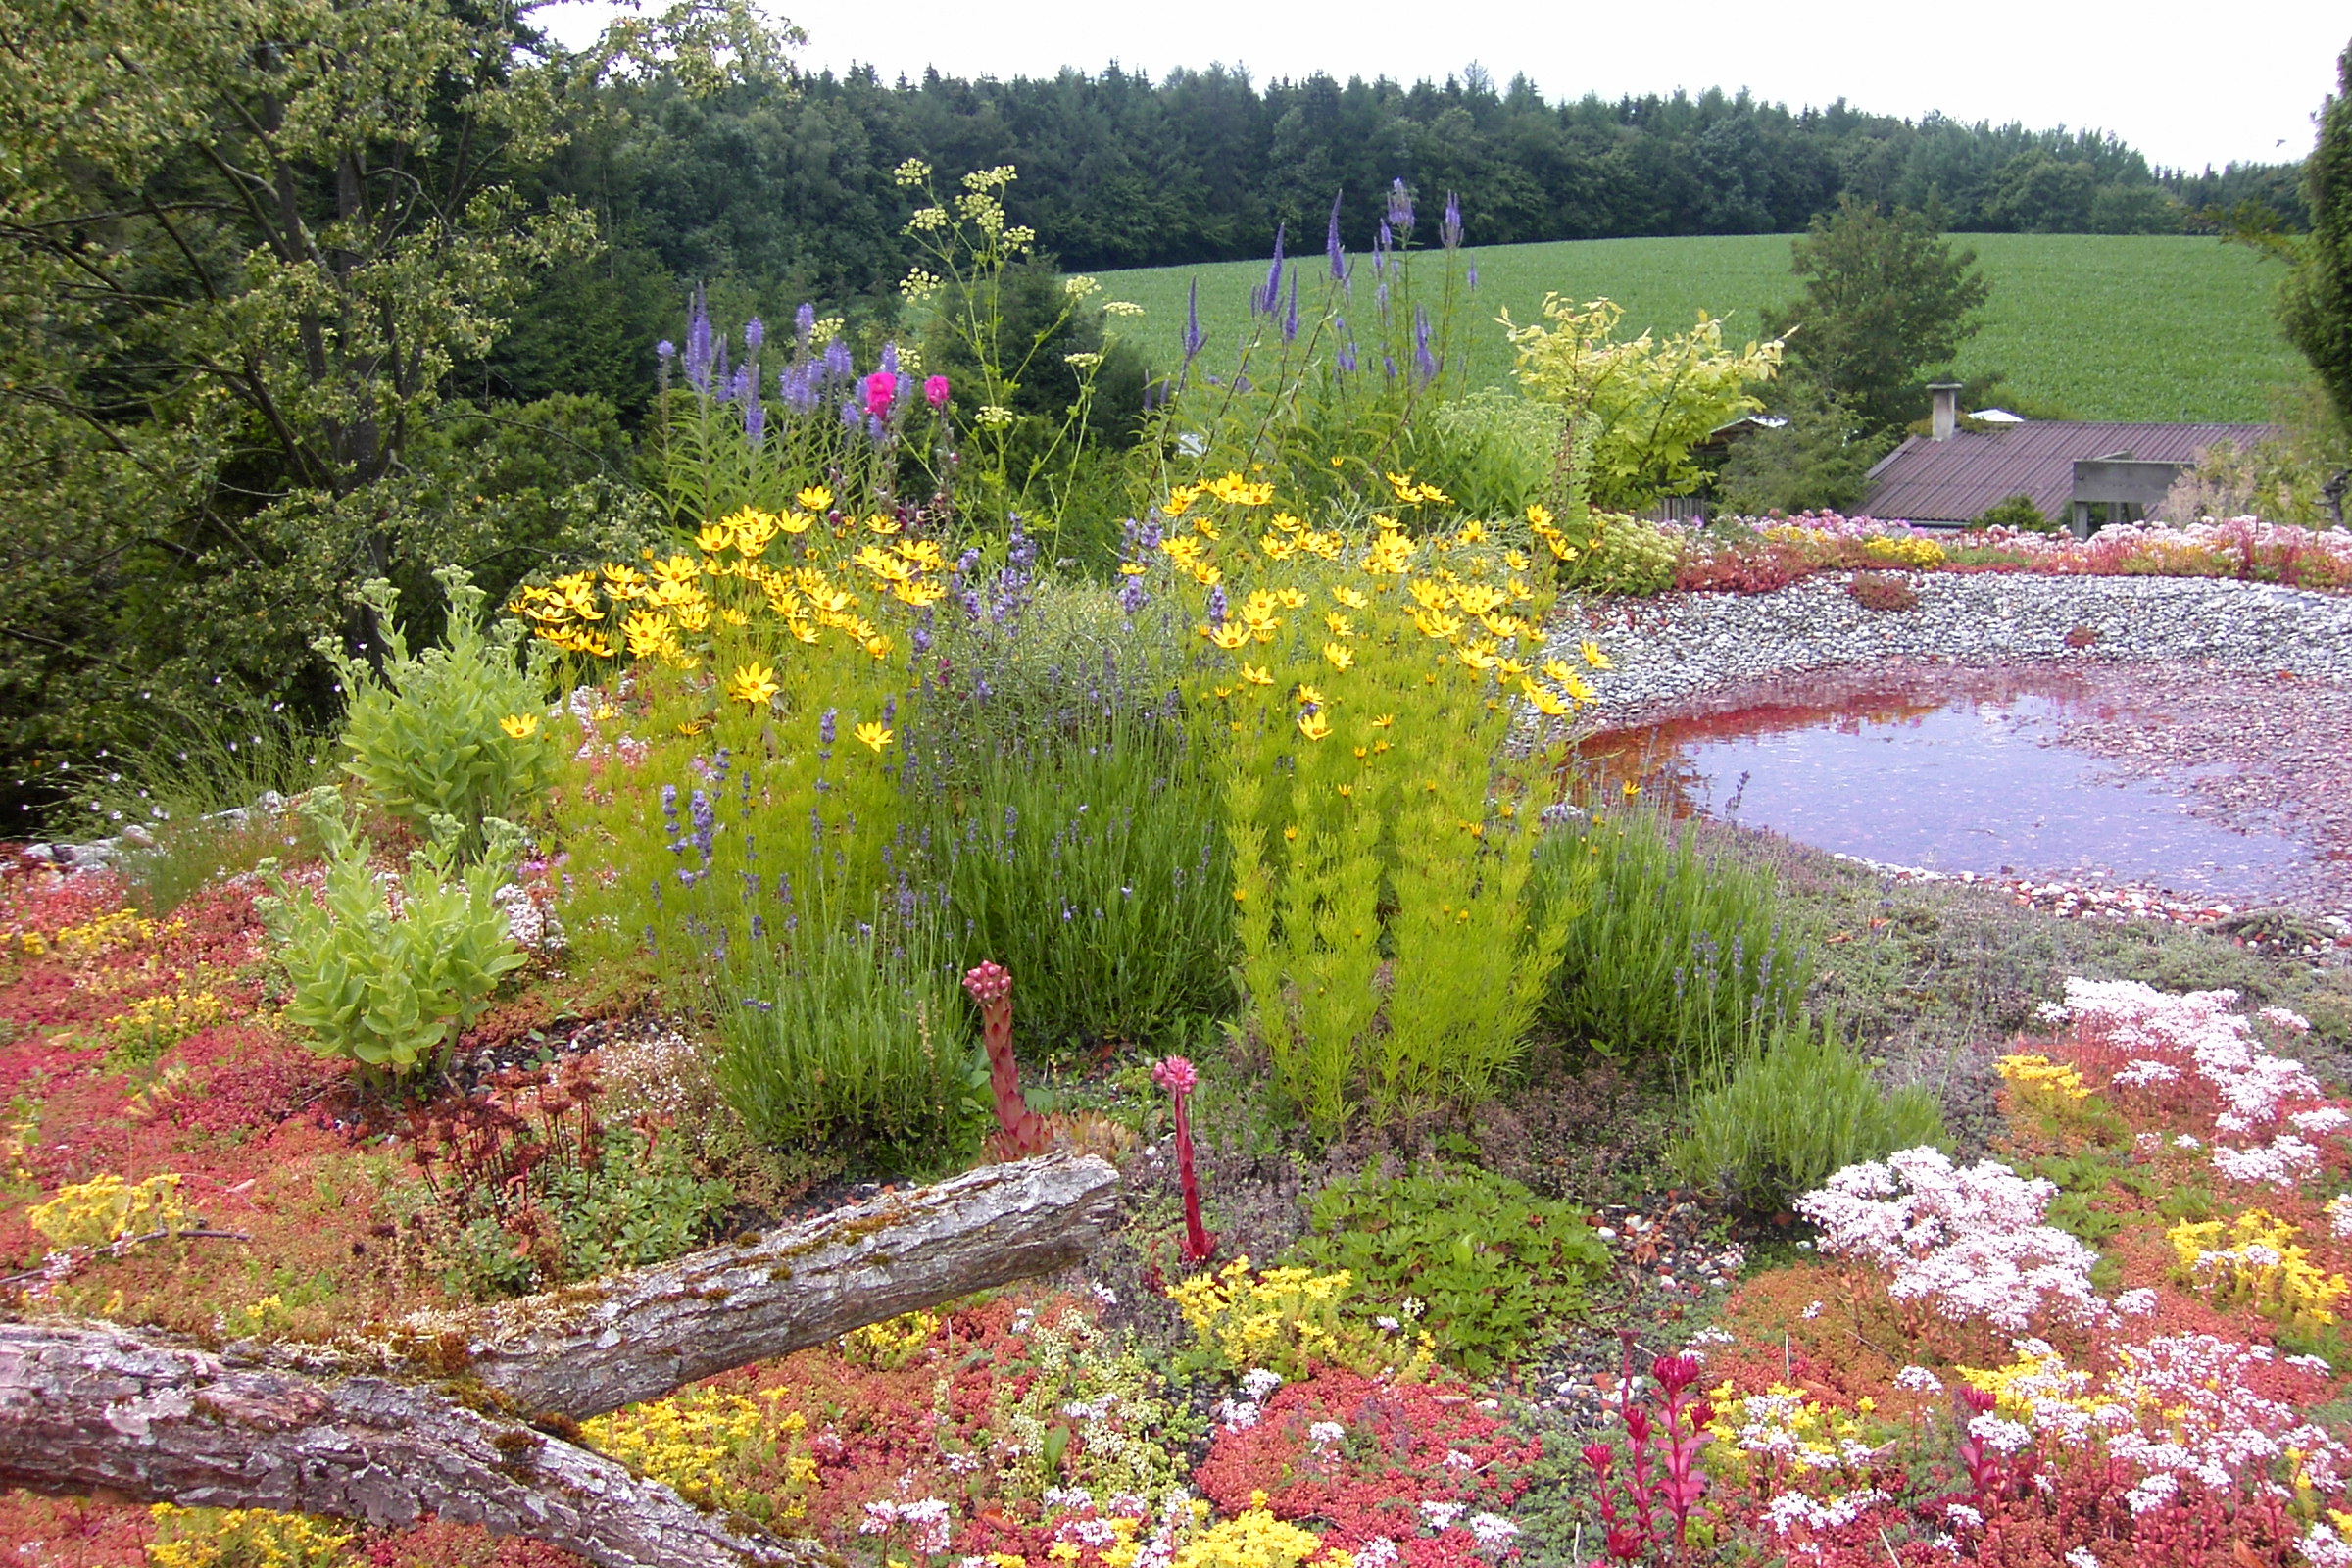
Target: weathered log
[
  {"x": 588, "y": 1348},
  {"x": 334, "y": 1430},
  {"x": 86, "y": 1405}
]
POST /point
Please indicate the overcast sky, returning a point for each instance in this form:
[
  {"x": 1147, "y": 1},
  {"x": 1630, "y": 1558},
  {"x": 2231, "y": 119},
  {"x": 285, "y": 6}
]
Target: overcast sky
[{"x": 2187, "y": 84}]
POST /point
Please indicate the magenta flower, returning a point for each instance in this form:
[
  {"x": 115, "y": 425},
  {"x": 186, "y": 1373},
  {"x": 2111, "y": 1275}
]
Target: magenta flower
[
  {"x": 1178, "y": 1077},
  {"x": 881, "y": 390},
  {"x": 935, "y": 391}
]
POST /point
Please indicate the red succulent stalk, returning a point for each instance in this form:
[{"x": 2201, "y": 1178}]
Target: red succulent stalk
[
  {"x": 1020, "y": 1131},
  {"x": 1686, "y": 1418},
  {"x": 1177, "y": 1076}
]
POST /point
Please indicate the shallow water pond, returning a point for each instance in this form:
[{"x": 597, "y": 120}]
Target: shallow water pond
[{"x": 1961, "y": 771}]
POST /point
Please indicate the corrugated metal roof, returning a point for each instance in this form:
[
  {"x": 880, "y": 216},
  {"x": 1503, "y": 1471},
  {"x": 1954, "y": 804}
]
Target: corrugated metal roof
[{"x": 1956, "y": 480}]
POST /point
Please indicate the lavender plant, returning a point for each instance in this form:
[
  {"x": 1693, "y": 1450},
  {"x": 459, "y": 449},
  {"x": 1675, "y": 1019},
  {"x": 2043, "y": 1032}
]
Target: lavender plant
[
  {"x": 1093, "y": 866},
  {"x": 1674, "y": 955}
]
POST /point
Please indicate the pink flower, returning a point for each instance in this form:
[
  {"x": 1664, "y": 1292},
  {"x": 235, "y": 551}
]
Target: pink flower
[
  {"x": 935, "y": 391},
  {"x": 987, "y": 982},
  {"x": 1175, "y": 1074},
  {"x": 881, "y": 389}
]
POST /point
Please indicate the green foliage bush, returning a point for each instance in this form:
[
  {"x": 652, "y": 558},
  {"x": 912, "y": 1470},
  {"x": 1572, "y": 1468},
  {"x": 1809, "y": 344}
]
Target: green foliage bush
[
  {"x": 1673, "y": 955},
  {"x": 429, "y": 734},
  {"x": 2018, "y": 512},
  {"x": 1495, "y": 1268},
  {"x": 1620, "y": 554},
  {"x": 391, "y": 990},
  {"x": 1493, "y": 451},
  {"x": 843, "y": 1038},
  {"x": 1794, "y": 1111},
  {"x": 1093, "y": 868}
]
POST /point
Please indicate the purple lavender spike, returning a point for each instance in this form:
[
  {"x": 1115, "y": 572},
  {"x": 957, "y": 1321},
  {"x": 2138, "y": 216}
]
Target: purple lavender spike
[
  {"x": 1290, "y": 322},
  {"x": 1449, "y": 227},
  {"x": 1425, "y": 364},
  {"x": 804, "y": 323},
  {"x": 1331, "y": 243}
]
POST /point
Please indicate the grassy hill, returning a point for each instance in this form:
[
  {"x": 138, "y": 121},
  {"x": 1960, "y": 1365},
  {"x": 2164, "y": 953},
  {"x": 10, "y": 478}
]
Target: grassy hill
[{"x": 2103, "y": 326}]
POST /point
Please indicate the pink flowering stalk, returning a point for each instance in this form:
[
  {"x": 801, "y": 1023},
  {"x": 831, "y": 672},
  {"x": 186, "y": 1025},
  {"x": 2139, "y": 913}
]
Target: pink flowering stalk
[
  {"x": 881, "y": 390},
  {"x": 1686, "y": 1434},
  {"x": 1176, "y": 1075},
  {"x": 935, "y": 391},
  {"x": 1020, "y": 1131}
]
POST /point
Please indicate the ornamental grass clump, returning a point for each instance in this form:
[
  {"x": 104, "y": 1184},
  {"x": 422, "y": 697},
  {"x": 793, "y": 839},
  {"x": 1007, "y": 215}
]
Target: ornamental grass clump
[
  {"x": 453, "y": 731},
  {"x": 391, "y": 986}
]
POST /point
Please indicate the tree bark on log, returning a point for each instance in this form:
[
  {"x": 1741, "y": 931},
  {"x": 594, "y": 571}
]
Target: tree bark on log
[
  {"x": 589, "y": 1348},
  {"x": 336, "y": 1430},
  {"x": 85, "y": 1406}
]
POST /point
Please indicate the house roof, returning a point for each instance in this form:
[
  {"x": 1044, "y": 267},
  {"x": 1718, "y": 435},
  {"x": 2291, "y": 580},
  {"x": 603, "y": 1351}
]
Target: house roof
[{"x": 1955, "y": 480}]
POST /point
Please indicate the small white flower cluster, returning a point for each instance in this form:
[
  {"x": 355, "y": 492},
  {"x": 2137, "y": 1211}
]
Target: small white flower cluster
[
  {"x": 2166, "y": 1038},
  {"x": 1970, "y": 1243},
  {"x": 926, "y": 1519},
  {"x": 1257, "y": 1387},
  {"x": 1793, "y": 1509},
  {"x": 1440, "y": 1516}
]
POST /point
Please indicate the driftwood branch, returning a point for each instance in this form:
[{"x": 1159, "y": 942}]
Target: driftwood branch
[
  {"x": 589, "y": 1348},
  {"x": 87, "y": 1406},
  {"x": 361, "y": 1431}
]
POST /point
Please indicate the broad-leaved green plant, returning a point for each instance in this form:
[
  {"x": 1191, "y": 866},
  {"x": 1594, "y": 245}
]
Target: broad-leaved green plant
[
  {"x": 392, "y": 983},
  {"x": 455, "y": 731}
]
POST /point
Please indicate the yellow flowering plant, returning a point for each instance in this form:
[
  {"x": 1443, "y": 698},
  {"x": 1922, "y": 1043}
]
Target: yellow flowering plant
[
  {"x": 719, "y": 1449},
  {"x": 245, "y": 1538},
  {"x": 1290, "y": 1320},
  {"x": 775, "y": 652},
  {"x": 2257, "y": 1259},
  {"x": 107, "y": 1208},
  {"x": 1365, "y": 684}
]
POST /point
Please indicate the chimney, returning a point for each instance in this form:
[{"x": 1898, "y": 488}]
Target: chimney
[{"x": 1944, "y": 410}]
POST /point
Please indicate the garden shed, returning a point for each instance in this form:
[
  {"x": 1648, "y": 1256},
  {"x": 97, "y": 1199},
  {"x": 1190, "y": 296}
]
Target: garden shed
[{"x": 1956, "y": 475}]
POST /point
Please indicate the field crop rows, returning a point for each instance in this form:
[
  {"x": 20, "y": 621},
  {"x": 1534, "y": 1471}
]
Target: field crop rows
[{"x": 2155, "y": 327}]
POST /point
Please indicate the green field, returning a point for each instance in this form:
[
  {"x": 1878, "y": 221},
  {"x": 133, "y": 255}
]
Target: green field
[{"x": 2102, "y": 326}]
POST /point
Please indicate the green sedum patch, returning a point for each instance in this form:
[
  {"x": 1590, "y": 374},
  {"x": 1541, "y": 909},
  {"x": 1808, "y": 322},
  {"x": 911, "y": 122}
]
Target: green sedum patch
[{"x": 1494, "y": 1268}]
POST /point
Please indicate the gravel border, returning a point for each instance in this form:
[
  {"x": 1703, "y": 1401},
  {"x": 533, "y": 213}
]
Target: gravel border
[{"x": 1680, "y": 645}]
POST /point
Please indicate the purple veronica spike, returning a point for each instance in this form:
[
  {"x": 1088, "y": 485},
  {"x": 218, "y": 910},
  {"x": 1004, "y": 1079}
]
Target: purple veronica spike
[
  {"x": 1193, "y": 339},
  {"x": 1269, "y": 298},
  {"x": 741, "y": 387},
  {"x": 1388, "y": 363},
  {"x": 853, "y": 419},
  {"x": 1474, "y": 275},
  {"x": 804, "y": 323},
  {"x": 755, "y": 419},
  {"x": 890, "y": 359},
  {"x": 1345, "y": 360},
  {"x": 665, "y": 351},
  {"x": 1425, "y": 364},
  {"x": 1382, "y": 241},
  {"x": 1331, "y": 244},
  {"x": 1290, "y": 321},
  {"x": 755, "y": 333},
  {"x": 697, "y": 343},
  {"x": 796, "y": 386},
  {"x": 1449, "y": 227},
  {"x": 836, "y": 360},
  {"x": 1400, "y": 208},
  {"x": 1217, "y": 604}
]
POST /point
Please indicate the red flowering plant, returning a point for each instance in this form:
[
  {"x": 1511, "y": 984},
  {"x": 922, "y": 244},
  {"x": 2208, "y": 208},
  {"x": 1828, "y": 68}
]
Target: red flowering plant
[{"x": 1422, "y": 1473}]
